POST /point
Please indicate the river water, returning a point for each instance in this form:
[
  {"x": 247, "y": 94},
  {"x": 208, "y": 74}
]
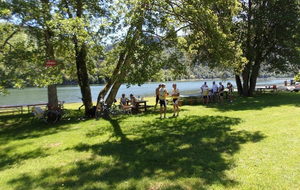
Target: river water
[{"x": 72, "y": 93}]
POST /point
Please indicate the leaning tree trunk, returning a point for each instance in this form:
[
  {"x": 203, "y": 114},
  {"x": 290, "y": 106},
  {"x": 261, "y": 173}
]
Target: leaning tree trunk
[
  {"x": 119, "y": 79},
  {"x": 113, "y": 92},
  {"x": 124, "y": 60},
  {"x": 112, "y": 79}
]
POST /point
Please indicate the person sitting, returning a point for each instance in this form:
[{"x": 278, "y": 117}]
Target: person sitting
[
  {"x": 124, "y": 100},
  {"x": 124, "y": 104},
  {"x": 133, "y": 102}
]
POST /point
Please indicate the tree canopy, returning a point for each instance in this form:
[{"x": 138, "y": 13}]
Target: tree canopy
[{"x": 132, "y": 42}]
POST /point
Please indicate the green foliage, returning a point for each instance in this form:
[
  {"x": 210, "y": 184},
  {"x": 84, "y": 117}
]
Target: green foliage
[
  {"x": 273, "y": 36},
  {"x": 206, "y": 28},
  {"x": 297, "y": 77}
]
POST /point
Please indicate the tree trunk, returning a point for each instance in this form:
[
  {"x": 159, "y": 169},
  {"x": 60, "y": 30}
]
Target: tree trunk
[
  {"x": 113, "y": 92},
  {"x": 83, "y": 78},
  {"x": 52, "y": 97},
  {"x": 112, "y": 79},
  {"x": 119, "y": 80},
  {"x": 48, "y": 34},
  {"x": 82, "y": 72},
  {"x": 239, "y": 84},
  {"x": 120, "y": 71},
  {"x": 253, "y": 78},
  {"x": 246, "y": 76}
]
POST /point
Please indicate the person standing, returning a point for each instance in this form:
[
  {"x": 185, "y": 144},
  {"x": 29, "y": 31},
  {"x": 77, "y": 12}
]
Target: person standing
[
  {"x": 175, "y": 96},
  {"x": 157, "y": 95},
  {"x": 202, "y": 87},
  {"x": 230, "y": 91},
  {"x": 215, "y": 91},
  {"x": 204, "y": 92},
  {"x": 163, "y": 93},
  {"x": 221, "y": 92}
]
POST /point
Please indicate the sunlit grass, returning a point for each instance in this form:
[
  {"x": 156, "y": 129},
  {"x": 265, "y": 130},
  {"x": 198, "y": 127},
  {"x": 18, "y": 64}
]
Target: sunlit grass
[{"x": 252, "y": 143}]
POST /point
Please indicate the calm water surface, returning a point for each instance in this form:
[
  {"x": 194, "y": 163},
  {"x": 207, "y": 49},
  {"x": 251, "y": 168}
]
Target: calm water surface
[{"x": 72, "y": 93}]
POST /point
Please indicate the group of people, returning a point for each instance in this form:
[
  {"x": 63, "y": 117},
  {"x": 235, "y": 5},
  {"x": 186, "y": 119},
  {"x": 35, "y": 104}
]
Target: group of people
[
  {"x": 216, "y": 93},
  {"x": 161, "y": 98},
  {"x": 128, "y": 103}
]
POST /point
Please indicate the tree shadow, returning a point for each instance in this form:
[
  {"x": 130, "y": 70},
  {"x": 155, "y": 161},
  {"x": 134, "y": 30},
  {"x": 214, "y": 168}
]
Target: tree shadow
[
  {"x": 8, "y": 156},
  {"x": 171, "y": 149},
  {"x": 117, "y": 131},
  {"x": 19, "y": 127}
]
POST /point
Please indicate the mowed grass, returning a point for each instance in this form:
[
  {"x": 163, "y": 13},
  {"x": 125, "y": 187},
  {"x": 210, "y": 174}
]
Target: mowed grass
[{"x": 252, "y": 143}]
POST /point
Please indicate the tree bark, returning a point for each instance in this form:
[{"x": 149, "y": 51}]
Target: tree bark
[
  {"x": 119, "y": 80},
  {"x": 254, "y": 76},
  {"x": 82, "y": 75},
  {"x": 246, "y": 76},
  {"x": 112, "y": 79},
  {"x": 120, "y": 71},
  {"x": 82, "y": 72},
  {"x": 239, "y": 84},
  {"x": 52, "y": 97},
  {"x": 48, "y": 34},
  {"x": 113, "y": 92}
]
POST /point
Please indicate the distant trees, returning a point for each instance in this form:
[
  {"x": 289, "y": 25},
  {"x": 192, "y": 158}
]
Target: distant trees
[
  {"x": 268, "y": 32},
  {"x": 129, "y": 41}
]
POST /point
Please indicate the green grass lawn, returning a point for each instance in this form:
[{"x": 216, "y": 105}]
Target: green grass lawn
[{"x": 253, "y": 143}]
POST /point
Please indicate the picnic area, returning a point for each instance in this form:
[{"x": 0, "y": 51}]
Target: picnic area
[
  {"x": 149, "y": 95},
  {"x": 250, "y": 143}
]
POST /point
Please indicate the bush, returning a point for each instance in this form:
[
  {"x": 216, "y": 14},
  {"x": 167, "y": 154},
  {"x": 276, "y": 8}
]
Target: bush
[{"x": 297, "y": 77}]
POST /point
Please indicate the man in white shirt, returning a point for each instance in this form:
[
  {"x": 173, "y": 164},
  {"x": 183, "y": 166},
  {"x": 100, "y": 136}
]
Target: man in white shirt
[
  {"x": 202, "y": 87},
  {"x": 215, "y": 91},
  {"x": 163, "y": 93},
  {"x": 205, "y": 91}
]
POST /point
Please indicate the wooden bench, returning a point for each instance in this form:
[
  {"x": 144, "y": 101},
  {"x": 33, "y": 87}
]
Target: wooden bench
[
  {"x": 11, "y": 109},
  {"x": 20, "y": 108}
]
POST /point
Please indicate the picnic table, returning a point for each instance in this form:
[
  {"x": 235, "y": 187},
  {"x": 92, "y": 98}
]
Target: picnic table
[
  {"x": 141, "y": 104},
  {"x": 20, "y": 107},
  {"x": 264, "y": 89},
  {"x": 29, "y": 106},
  {"x": 11, "y": 108}
]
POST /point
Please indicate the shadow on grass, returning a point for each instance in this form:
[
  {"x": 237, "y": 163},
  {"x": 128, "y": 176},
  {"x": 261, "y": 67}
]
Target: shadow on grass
[
  {"x": 173, "y": 150},
  {"x": 9, "y": 157},
  {"x": 18, "y": 127}
]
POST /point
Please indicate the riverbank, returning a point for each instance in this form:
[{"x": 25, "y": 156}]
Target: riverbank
[{"x": 72, "y": 93}]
